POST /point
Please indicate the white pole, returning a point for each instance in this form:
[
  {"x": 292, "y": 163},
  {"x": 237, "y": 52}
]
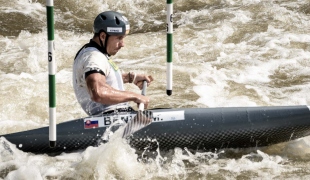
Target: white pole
[
  {"x": 51, "y": 72},
  {"x": 169, "y": 45}
]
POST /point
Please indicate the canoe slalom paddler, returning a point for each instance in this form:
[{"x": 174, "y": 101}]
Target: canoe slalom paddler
[{"x": 97, "y": 81}]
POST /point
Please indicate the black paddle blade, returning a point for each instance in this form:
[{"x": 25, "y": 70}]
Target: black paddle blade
[{"x": 142, "y": 119}]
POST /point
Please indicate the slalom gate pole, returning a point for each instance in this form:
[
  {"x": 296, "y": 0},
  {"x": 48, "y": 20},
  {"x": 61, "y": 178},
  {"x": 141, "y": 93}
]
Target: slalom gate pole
[
  {"x": 51, "y": 72},
  {"x": 169, "y": 45}
]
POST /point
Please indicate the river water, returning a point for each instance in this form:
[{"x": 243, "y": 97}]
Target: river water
[{"x": 226, "y": 53}]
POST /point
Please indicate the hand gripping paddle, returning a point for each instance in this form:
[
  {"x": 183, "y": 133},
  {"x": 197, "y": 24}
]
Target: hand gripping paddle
[{"x": 142, "y": 119}]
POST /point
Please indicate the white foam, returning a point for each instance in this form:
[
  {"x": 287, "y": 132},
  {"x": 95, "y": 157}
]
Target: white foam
[
  {"x": 219, "y": 60},
  {"x": 24, "y": 7}
]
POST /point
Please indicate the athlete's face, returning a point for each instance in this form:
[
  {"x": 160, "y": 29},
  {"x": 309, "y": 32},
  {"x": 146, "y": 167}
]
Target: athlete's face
[{"x": 115, "y": 43}]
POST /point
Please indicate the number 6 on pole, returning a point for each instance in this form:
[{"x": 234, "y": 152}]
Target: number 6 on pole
[{"x": 51, "y": 72}]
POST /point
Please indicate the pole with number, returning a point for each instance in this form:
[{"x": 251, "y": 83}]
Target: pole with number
[
  {"x": 169, "y": 45},
  {"x": 51, "y": 72}
]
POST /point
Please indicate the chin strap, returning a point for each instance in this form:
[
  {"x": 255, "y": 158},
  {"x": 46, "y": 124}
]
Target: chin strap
[{"x": 104, "y": 47}]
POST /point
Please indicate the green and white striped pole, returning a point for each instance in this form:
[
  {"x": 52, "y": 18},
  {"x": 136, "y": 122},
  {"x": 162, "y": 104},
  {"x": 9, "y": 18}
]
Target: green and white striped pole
[
  {"x": 169, "y": 45},
  {"x": 51, "y": 72}
]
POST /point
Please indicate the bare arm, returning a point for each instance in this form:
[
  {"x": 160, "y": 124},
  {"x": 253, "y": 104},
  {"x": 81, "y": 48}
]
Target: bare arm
[
  {"x": 127, "y": 77},
  {"x": 103, "y": 93},
  {"x": 137, "y": 79}
]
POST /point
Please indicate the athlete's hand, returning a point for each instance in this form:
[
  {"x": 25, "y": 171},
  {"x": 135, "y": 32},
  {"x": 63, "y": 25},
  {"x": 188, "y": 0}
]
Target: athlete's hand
[
  {"x": 140, "y": 78},
  {"x": 142, "y": 99}
]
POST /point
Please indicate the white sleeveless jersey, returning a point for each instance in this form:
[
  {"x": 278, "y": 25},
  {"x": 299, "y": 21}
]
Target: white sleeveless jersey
[{"x": 90, "y": 59}]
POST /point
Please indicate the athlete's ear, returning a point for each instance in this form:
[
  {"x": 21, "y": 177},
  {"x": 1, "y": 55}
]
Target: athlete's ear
[{"x": 102, "y": 36}]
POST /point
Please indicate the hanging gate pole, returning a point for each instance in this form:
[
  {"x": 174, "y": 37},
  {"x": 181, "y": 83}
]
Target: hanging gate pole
[
  {"x": 169, "y": 45},
  {"x": 51, "y": 72}
]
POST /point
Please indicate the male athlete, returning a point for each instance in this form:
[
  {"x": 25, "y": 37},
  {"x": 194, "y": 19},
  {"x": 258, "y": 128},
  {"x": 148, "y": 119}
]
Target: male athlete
[{"x": 97, "y": 80}]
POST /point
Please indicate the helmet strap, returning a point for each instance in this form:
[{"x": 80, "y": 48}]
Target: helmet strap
[
  {"x": 104, "y": 47},
  {"x": 106, "y": 43}
]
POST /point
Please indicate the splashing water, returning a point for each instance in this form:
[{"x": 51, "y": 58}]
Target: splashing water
[{"x": 226, "y": 53}]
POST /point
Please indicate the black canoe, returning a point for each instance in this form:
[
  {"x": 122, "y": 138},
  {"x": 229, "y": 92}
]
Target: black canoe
[{"x": 193, "y": 128}]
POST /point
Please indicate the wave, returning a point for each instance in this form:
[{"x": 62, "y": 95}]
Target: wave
[{"x": 144, "y": 16}]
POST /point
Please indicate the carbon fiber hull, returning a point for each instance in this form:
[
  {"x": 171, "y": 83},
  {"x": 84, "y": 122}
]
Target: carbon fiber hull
[{"x": 193, "y": 128}]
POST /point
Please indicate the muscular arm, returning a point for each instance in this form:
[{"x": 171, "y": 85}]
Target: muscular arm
[{"x": 103, "y": 93}]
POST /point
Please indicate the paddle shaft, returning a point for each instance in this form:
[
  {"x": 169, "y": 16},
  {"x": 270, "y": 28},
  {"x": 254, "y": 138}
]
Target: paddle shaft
[
  {"x": 141, "y": 105},
  {"x": 140, "y": 120}
]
